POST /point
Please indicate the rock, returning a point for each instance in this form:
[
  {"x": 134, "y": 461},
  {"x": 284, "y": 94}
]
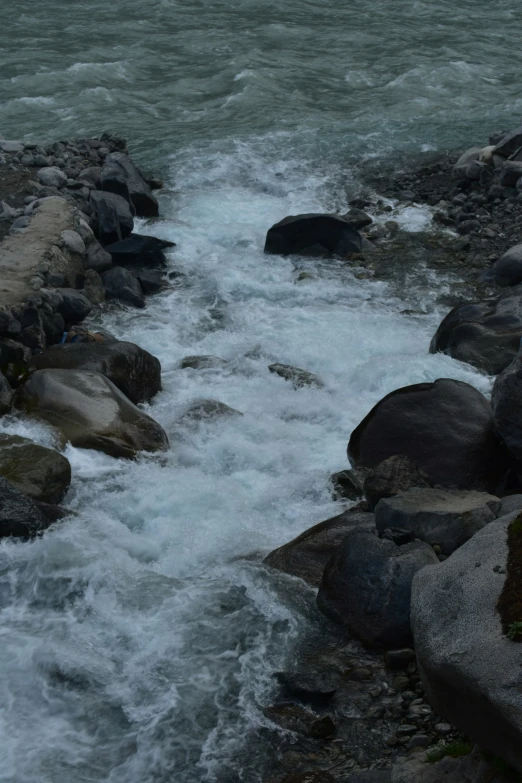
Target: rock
[
  {"x": 366, "y": 586},
  {"x": 471, "y": 671},
  {"x": 509, "y": 144},
  {"x": 509, "y": 504},
  {"x": 41, "y": 160},
  {"x": 6, "y": 395},
  {"x": 93, "y": 287},
  {"x": 97, "y": 258},
  {"x": 113, "y": 215},
  {"x": 145, "y": 204},
  {"x": 445, "y": 427},
  {"x": 152, "y": 281},
  {"x": 51, "y": 177},
  {"x": 41, "y": 473},
  {"x": 399, "y": 659},
  {"x": 53, "y": 326},
  {"x": 315, "y": 235},
  {"x": 134, "y": 371},
  {"x": 395, "y": 474},
  {"x": 92, "y": 174},
  {"x": 357, "y": 219},
  {"x": 507, "y": 271},
  {"x": 471, "y": 155},
  {"x": 73, "y": 242},
  {"x": 75, "y": 306},
  {"x": 484, "y": 334},
  {"x": 11, "y": 146},
  {"x": 90, "y": 412},
  {"x": 507, "y": 408},
  {"x": 314, "y": 687},
  {"x": 19, "y": 515},
  {"x": 201, "y": 410},
  {"x": 202, "y": 363},
  {"x": 298, "y": 378},
  {"x": 121, "y": 284},
  {"x": 510, "y": 173},
  {"x": 309, "y": 777},
  {"x": 292, "y": 717},
  {"x": 468, "y": 226},
  {"x": 137, "y": 251},
  {"x": 345, "y": 484},
  {"x": 445, "y": 517},
  {"x": 307, "y": 555}
]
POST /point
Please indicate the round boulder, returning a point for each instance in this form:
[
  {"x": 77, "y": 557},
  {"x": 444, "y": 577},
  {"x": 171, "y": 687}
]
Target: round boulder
[
  {"x": 19, "y": 515},
  {"x": 41, "y": 473},
  {"x": 313, "y": 235},
  {"x": 51, "y": 177}
]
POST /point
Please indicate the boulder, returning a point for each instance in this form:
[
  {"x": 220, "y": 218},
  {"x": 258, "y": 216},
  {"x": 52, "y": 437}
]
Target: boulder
[
  {"x": 510, "y": 503},
  {"x": 445, "y": 517},
  {"x": 395, "y": 474},
  {"x": 484, "y": 334},
  {"x": 366, "y": 586},
  {"x": 297, "y": 377},
  {"x": 90, "y": 412},
  {"x": 93, "y": 287},
  {"x": 315, "y": 235},
  {"x": 507, "y": 271},
  {"x": 113, "y": 215},
  {"x": 506, "y": 401},
  {"x": 509, "y": 144},
  {"x": 152, "y": 281},
  {"x": 470, "y": 156},
  {"x": 72, "y": 241},
  {"x": 134, "y": 371},
  {"x": 205, "y": 410},
  {"x": 6, "y": 394},
  {"x": 346, "y": 484},
  {"x": 74, "y": 307},
  {"x": 138, "y": 252},
  {"x": 19, "y": 515},
  {"x": 41, "y": 473},
  {"x": 202, "y": 363},
  {"x": 445, "y": 427},
  {"x": 471, "y": 671},
  {"x": 51, "y": 177},
  {"x": 510, "y": 173},
  {"x": 357, "y": 219},
  {"x": 121, "y": 284},
  {"x": 118, "y": 167},
  {"x": 97, "y": 258},
  {"x": 307, "y": 555}
]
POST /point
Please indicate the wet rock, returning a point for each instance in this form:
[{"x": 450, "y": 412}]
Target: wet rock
[
  {"x": 366, "y": 586},
  {"x": 395, "y": 474},
  {"x": 292, "y": 717},
  {"x": 314, "y": 687},
  {"x": 41, "y": 473},
  {"x": 445, "y": 517},
  {"x": 510, "y": 173},
  {"x": 307, "y": 555},
  {"x": 51, "y": 177},
  {"x": 118, "y": 166},
  {"x": 97, "y": 258},
  {"x": 202, "y": 363},
  {"x": 6, "y": 395},
  {"x": 315, "y": 235},
  {"x": 121, "y": 284},
  {"x": 133, "y": 370},
  {"x": 346, "y": 484},
  {"x": 445, "y": 427},
  {"x": 507, "y": 410},
  {"x": 509, "y": 144},
  {"x": 113, "y": 216},
  {"x": 205, "y": 410},
  {"x": 137, "y": 251},
  {"x": 74, "y": 307},
  {"x": 90, "y": 412},
  {"x": 297, "y": 377},
  {"x": 152, "y": 281},
  {"x": 357, "y": 219},
  {"x": 19, "y": 515},
  {"x": 471, "y": 671},
  {"x": 507, "y": 271}
]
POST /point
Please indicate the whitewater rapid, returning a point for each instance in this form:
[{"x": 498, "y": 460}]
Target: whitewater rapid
[{"x": 138, "y": 637}]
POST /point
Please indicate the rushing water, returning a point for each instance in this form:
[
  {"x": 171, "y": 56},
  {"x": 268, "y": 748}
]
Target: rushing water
[{"x": 139, "y": 637}]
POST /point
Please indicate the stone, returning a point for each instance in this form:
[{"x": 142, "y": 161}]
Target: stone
[
  {"x": 293, "y": 717},
  {"x": 6, "y": 395},
  {"x": 92, "y": 175},
  {"x": 357, "y": 219},
  {"x": 307, "y": 555},
  {"x": 202, "y": 363},
  {"x": 313, "y": 235},
  {"x": 19, "y": 514},
  {"x": 445, "y": 517},
  {"x": 114, "y": 216},
  {"x": 471, "y": 155},
  {"x": 93, "y": 287},
  {"x": 97, "y": 258},
  {"x": 134, "y": 371},
  {"x": 510, "y": 503},
  {"x": 121, "y": 284},
  {"x": 507, "y": 271},
  {"x": 297, "y": 377},
  {"x": 445, "y": 427},
  {"x": 399, "y": 659},
  {"x": 41, "y": 160},
  {"x": 137, "y": 251},
  {"x": 509, "y": 144},
  {"x": 152, "y": 281},
  {"x": 53, "y": 326},
  {"x": 90, "y": 412},
  {"x": 75, "y": 306},
  {"x": 471, "y": 671},
  {"x": 314, "y": 687},
  {"x": 51, "y": 177},
  {"x": 11, "y": 146},
  {"x": 73, "y": 242},
  {"x": 366, "y": 586},
  {"x": 309, "y": 777},
  {"x": 206, "y": 410},
  {"x": 141, "y": 196},
  {"x": 346, "y": 485},
  {"x": 41, "y": 473},
  {"x": 506, "y": 402},
  {"x": 393, "y": 475},
  {"x": 510, "y": 173}
]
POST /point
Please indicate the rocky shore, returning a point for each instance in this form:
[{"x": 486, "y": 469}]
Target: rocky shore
[{"x": 414, "y": 674}]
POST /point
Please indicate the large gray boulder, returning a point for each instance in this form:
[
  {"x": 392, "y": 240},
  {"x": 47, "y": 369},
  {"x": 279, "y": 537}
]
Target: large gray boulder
[
  {"x": 19, "y": 514},
  {"x": 445, "y": 427},
  {"x": 313, "y": 235},
  {"x": 52, "y": 177},
  {"x": 90, "y": 412},
  {"x": 366, "y": 586},
  {"x": 507, "y": 270},
  {"x": 307, "y": 555},
  {"x": 438, "y": 516},
  {"x": 471, "y": 671},
  {"x": 506, "y": 401},
  {"x": 120, "y": 169},
  {"x": 43, "y": 474},
  {"x": 134, "y": 371}
]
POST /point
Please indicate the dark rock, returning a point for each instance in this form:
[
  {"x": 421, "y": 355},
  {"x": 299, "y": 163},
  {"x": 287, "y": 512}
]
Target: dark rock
[
  {"x": 51, "y": 512},
  {"x": 75, "y": 306},
  {"x": 366, "y": 586},
  {"x": 93, "y": 175},
  {"x": 314, "y": 687},
  {"x": 445, "y": 427},
  {"x": 19, "y": 515},
  {"x": 510, "y": 144},
  {"x": 445, "y": 517},
  {"x": 346, "y": 485},
  {"x": 93, "y": 287},
  {"x": 510, "y": 173},
  {"x": 399, "y": 659},
  {"x": 14, "y": 357},
  {"x": 113, "y": 215},
  {"x": 53, "y": 326},
  {"x": 292, "y": 717},
  {"x": 202, "y": 362},
  {"x": 297, "y": 377},
  {"x": 506, "y": 401},
  {"x": 357, "y": 219},
  {"x": 315, "y": 235},
  {"x": 6, "y": 395},
  {"x": 97, "y": 258},
  {"x": 141, "y": 195},
  {"x": 309, "y": 777},
  {"x": 393, "y": 475},
  {"x": 113, "y": 180},
  {"x": 121, "y": 284},
  {"x": 509, "y": 504},
  {"x": 152, "y": 281},
  {"x": 41, "y": 473},
  {"x": 139, "y": 251},
  {"x": 307, "y": 555},
  {"x": 507, "y": 271},
  {"x": 90, "y": 412},
  {"x": 468, "y": 226},
  {"x": 205, "y": 410},
  {"x": 134, "y": 371}
]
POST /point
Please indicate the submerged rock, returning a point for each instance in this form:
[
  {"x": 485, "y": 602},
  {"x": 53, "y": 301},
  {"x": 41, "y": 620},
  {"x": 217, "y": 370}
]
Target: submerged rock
[
  {"x": 90, "y": 412},
  {"x": 202, "y": 363},
  {"x": 201, "y": 410},
  {"x": 297, "y": 377},
  {"x": 315, "y": 235},
  {"x": 19, "y": 515},
  {"x": 41, "y": 473}
]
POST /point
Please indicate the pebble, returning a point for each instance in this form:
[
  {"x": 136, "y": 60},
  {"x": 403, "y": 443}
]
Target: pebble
[
  {"x": 376, "y": 691},
  {"x": 401, "y": 682}
]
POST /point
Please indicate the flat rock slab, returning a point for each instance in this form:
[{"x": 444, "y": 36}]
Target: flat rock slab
[{"x": 448, "y": 518}]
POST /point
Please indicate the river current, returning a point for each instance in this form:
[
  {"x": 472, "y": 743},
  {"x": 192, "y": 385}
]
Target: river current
[{"x": 139, "y": 637}]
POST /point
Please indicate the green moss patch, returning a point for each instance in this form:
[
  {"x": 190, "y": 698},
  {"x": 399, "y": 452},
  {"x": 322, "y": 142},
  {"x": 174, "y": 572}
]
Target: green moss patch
[
  {"x": 510, "y": 601},
  {"x": 455, "y": 750}
]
